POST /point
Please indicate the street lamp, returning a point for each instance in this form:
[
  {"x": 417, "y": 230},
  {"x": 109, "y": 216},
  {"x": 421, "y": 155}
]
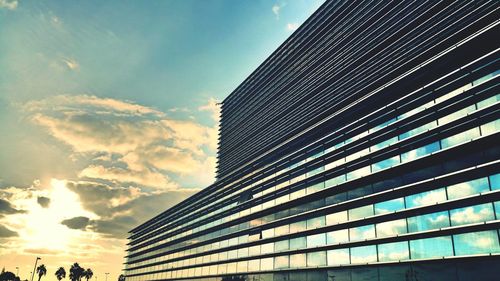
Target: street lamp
[
  {"x": 104, "y": 273},
  {"x": 17, "y": 271},
  {"x": 34, "y": 268}
]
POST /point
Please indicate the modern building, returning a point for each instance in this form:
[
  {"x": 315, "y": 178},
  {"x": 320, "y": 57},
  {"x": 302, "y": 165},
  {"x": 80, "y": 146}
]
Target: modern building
[{"x": 366, "y": 147}]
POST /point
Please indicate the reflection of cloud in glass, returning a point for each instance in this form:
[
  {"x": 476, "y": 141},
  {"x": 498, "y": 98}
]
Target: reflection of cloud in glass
[{"x": 472, "y": 214}]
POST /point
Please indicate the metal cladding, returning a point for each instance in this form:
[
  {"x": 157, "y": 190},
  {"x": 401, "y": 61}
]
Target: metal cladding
[{"x": 366, "y": 147}]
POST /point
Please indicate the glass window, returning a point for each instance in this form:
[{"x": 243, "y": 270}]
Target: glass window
[
  {"x": 483, "y": 242},
  {"x": 460, "y": 138},
  {"x": 232, "y": 254},
  {"x": 253, "y": 251},
  {"x": 242, "y": 266},
  {"x": 495, "y": 182},
  {"x": 362, "y": 232},
  {"x": 389, "y": 206},
  {"x": 468, "y": 188},
  {"x": 419, "y": 152},
  {"x": 316, "y": 259},
  {"x": 231, "y": 267},
  {"x": 316, "y": 222},
  {"x": 383, "y": 144},
  {"x": 423, "y": 128},
  {"x": 497, "y": 210},
  {"x": 490, "y": 128},
  {"x": 489, "y": 101},
  {"x": 391, "y": 228},
  {"x": 472, "y": 214},
  {"x": 267, "y": 248},
  {"x": 426, "y": 198},
  {"x": 338, "y": 236},
  {"x": 336, "y": 218},
  {"x": 364, "y": 254},
  {"x": 456, "y": 115},
  {"x": 268, "y": 233},
  {"x": 281, "y": 262},
  {"x": 316, "y": 187},
  {"x": 431, "y": 248},
  {"x": 361, "y": 212},
  {"x": 297, "y": 260},
  {"x": 297, "y": 243},
  {"x": 282, "y": 230},
  {"x": 335, "y": 181},
  {"x": 281, "y": 245},
  {"x": 429, "y": 221},
  {"x": 253, "y": 265},
  {"x": 356, "y": 174},
  {"x": 316, "y": 240},
  {"x": 338, "y": 257},
  {"x": 393, "y": 251},
  {"x": 386, "y": 163},
  {"x": 243, "y": 252},
  {"x": 357, "y": 155},
  {"x": 266, "y": 264},
  {"x": 297, "y": 226}
]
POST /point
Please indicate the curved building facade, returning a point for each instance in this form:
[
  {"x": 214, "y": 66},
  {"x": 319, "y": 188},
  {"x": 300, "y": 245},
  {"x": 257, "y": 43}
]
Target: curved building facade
[{"x": 366, "y": 147}]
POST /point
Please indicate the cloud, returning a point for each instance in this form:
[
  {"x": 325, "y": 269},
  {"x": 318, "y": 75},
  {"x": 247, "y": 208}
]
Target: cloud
[
  {"x": 43, "y": 201},
  {"x": 7, "y": 209},
  {"x": 6, "y": 233},
  {"x": 276, "y": 10},
  {"x": 71, "y": 64},
  {"x": 132, "y": 144},
  {"x": 292, "y": 26},
  {"x": 8, "y": 4},
  {"x": 76, "y": 223}
]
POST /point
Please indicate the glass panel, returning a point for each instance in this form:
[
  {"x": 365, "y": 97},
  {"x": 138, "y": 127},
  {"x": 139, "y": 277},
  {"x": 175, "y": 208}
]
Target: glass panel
[
  {"x": 316, "y": 259},
  {"x": 282, "y": 230},
  {"x": 362, "y": 232},
  {"x": 495, "y": 182},
  {"x": 489, "y": 101},
  {"x": 361, "y": 212},
  {"x": 386, "y": 163},
  {"x": 356, "y": 174},
  {"x": 316, "y": 240},
  {"x": 389, "y": 206},
  {"x": 431, "y": 248},
  {"x": 253, "y": 265},
  {"x": 429, "y": 221},
  {"x": 267, "y": 248},
  {"x": 336, "y": 218},
  {"x": 297, "y": 260},
  {"x": 335, "y": 181},
  {"x": 266, "y": 264},
  {"x": 268, "y": 233},
  {"x": 426, "y": 198},
  {"x": 460, "y": 138},
  {"x": 316, "y": 222},
  {"x": 456, "y": 115},
  {"x": 253, "y": 251},
  {"x": 497, "y": 209},
  {"x": 383, "y": 144},
  {"x": 281, "y": 245},
  {"x": 468, "y": 188},
  {"x": 391, "y": 228},
  {"x": 363, "y": 254},
  {"x": 281, "y": 262},
  {"x": 490, "y": 128},
  {"x": 423, "y": 128},
  {"x": 419, "y": 152},
  {"x": 338, "y": 257},
  {"x": 297, "y": 226},
  {"x": 472, "y": 214},
  {"x": 297, "y": 243},
  {"x": 338, "y": 236},
  {"x": 242, "y": 266},
  {"x": 483, "y": 242},
  {"x": 393, "y": 251}
]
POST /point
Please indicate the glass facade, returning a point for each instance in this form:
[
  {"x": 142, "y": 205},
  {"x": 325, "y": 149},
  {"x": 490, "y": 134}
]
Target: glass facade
[{"x": 398, "y": 182}]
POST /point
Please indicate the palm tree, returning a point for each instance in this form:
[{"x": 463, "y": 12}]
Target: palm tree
[
  {"x": 41, "y": 271},
  {"x": 60, "y": 273},
  {"x": 88, "y": 274},
  {"x": 76, "y": 272},
  {"x": 121, "y": 277}
]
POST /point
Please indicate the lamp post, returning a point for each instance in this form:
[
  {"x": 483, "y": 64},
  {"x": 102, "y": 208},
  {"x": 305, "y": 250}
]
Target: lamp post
[
  {"x": 34, "y": 268},
  {"x": 104, "y": 273},
  {"x": 17, "y": 271}
]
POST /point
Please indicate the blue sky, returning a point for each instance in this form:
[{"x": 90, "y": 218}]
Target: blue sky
[{"x": 108, "y": 115}]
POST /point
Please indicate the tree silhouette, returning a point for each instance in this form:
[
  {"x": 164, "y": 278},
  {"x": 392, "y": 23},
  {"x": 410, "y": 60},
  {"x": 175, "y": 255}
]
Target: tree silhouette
[
  {"x": 88, "y": 274},
  {"x": 8, "y": 276},
  {"x": 60, "y": 273},
  {"x": 76, "y": 272},
  {"x": 41, "y": 271},
  {"x": 121, "y": 277}
]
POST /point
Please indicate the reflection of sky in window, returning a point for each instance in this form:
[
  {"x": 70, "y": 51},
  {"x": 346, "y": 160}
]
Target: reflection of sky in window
[
  {"x": 490, "y": 128},
  {"x": 419, "y": 152},
  {"x": 253, "y": 265},
  {"x": 338, "y": 257},
  {"x": 467, "y": 188},
  {"x": 460, "y": 138},
  {"x": 386, "y": 163},
  {"x": 316, "y": 258},
  {"x": 488, "y": 101},
  {"x": 418, "y": 130},
  {"x": 298, "y": 260},
  {"x": 429, "y": 221},
  {"x": 383, "y": 144},
  {"x": 363, "y": 254},
  {"x": 316, "y": 240},
  {"x": 483, "y": 242},
  {"x": 316, "y": 222},
  {"x": 472, "y": 214},
  {"x": 267, "y": 264},
  {"x": 456, "y": 115},
  {"x": 297, "y": 243},
  {"x": 393, "y": 251},
  {"x": 242, "y": 266},
  {"x": 358, "y": 173},
  {"x": 361, "y": 212},
  {"x": 335, "y": 218},
  {"x": 389, "y": 206},
  {"x": 391, "y": 228},
  {"x": 362, "y": 232},
  {"x": 431, "y": 247},
  {"x": 338, "y": 236},
  {"x": 426, "y": 198},
  {"x": 281, "y": 262},
  {"x": 495, "y": 182},
  {"x": 497, "y": 210}
]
